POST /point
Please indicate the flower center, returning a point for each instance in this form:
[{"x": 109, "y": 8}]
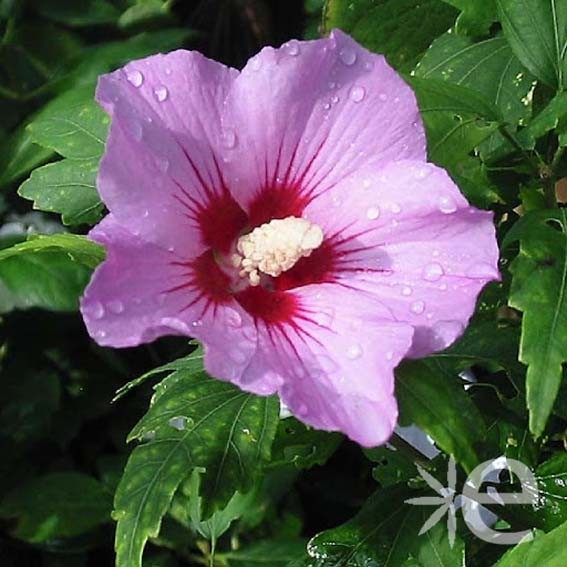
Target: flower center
[{"x": 275, "y": 247}]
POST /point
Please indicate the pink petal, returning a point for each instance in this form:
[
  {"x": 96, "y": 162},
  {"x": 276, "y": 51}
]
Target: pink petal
[
  {"x": 137, "y": 295},
  {"x": 308, "y": 114},
  {"x": 333, "y": 365},
  {"x": 162, "y": 155},
  {"x": 410, "y": 238}
]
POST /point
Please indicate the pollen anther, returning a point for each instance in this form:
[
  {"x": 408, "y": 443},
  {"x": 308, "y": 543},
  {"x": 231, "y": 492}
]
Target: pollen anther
[{"x": 275, "y": 247}]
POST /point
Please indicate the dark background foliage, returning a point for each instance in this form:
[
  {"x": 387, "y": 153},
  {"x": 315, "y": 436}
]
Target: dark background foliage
[{"x": 492, "y": 95}]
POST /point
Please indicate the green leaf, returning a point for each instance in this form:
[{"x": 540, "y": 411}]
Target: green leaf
[
  {"x": 547, "y": 550},
  {"x": 187, "y": 509},
  {"x": 78, "y": 12},
  {"x": 47, "y": 271},
  {"x": 58, "y": 505},
  {"x": 73, "y": 125},
  {"x": 457, "y": 119},
  {"x": 301, "y": 446},
  {"x": 194, "y": 422},
  {"x": 67, "y": 187},
  {"x": 550, "y": 510},
  {"x": 477, "y": 16},
  {"x": 19, "y": 155},
  {"x": 376, "y": 25},
  {"x": 539, "y": 289},
  {"x": 537, "y": 32},
  {"x": 552, "y": 117},
  {"x": 145, "y": 12},
  {"x": 266, "y": 553},
  {"x": 490, "y": 68},
  {"x": 385, "y": 532},
  {"x": 440, "y": 406},
  {"x": 31, "y": 55}
]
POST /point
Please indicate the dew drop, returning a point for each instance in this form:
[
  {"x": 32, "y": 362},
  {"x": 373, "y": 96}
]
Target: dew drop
[
  {"x": 101, "y": 334},
  {"x": 347, "y": 56},
  {"x": 396, "y": 208},
  {"x": 163, "y": 164},
  {"x": 432, "y": 272},
  {"x": 161, "y": 93},
  {"x": 417, "y": 307},
  {"x": 354, "y": 352},
  {"x": 357, "y": 93},
  {"x": 482, "y": 271},
  {"x": 97, "y": 310},
  {"x": 197, "y": 323},
  {"x": 422, "y": 173},
  {"x": 256, "y": 63},
  {"x": 161, "y": 298},
  {"x": 335, "y": 99},
  {"x": 292, "y": 48},
  {"x": 233, "y": 318},
  {"x": 301, "y": 410},
  {"x": 372, "y": 213},
  {"x": 369, "y": 65},
  {"x": 168, "y": 71},
  {"x": 327, "y": 106},
  {"x": 332, "y": 85},
  {"x": 229, "y": 139},
  {"x": 135, "y": 77},
  {"x": 447, "y": 205},
  {"x": 116, "y": 306},
  {"x": 383, "y": 97},
  {"x": 179, "y": 423},
  {"x": 136, "y": 129},
  {"x": 407, "y": 290}
]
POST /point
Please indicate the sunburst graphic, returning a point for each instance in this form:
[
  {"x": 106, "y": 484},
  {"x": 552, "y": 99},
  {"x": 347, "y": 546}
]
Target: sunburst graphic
[{"x": 446, "y": 501}]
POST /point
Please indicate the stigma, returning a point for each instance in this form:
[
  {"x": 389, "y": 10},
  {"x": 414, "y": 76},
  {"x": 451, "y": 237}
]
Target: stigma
[{"x": 275, "y": 247}]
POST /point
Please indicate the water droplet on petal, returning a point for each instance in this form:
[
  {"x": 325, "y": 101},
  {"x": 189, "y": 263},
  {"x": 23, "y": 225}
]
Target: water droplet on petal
[
  {"x": 163, "y": 164},
  {"x": 383, "y": 97},
  {"x": 357, "y": 93},
  {"x": 354, "y": 352},
  {"x": 327, "y": 106},
  {"x": 373, "y": 213},
  {"x": 422, "y": 172},
  {"x": 97, "y": 310},
  {"x": 168, "y": 71},
  {"x": 233, "y": 318},
  {"x": 197, "y": 323},
  {"x": 115, "y": 306},
  {"x": 367, "y": 183},
  {"x": 447, "y": 205},
  {"x": 332, "y": 85},
  {"x": 432, "y": 272},
  {"x": 135, "y": 77},
  {"x": 407, "y": 290},
  {"x": 369, "y": 65},
  {"x": 396, "y": 208},
  {"x": 229, "y": 139},
  {"x": 347, "y": 56},
  {"x": 136, "y": 129},
  {"x": 161, "y": 93},
  {"x": 417, "y": 307},
  {"x": 482, "y": 271},
  {"x": 255, "y": 63},
  {"x": 292, "y": 47},
  {"x": 389, "y": 355},
  {"x": 335, "y": 99}
]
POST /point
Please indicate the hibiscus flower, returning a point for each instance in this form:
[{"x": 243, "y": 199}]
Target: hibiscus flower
[{"x": 285, "y": 216}]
